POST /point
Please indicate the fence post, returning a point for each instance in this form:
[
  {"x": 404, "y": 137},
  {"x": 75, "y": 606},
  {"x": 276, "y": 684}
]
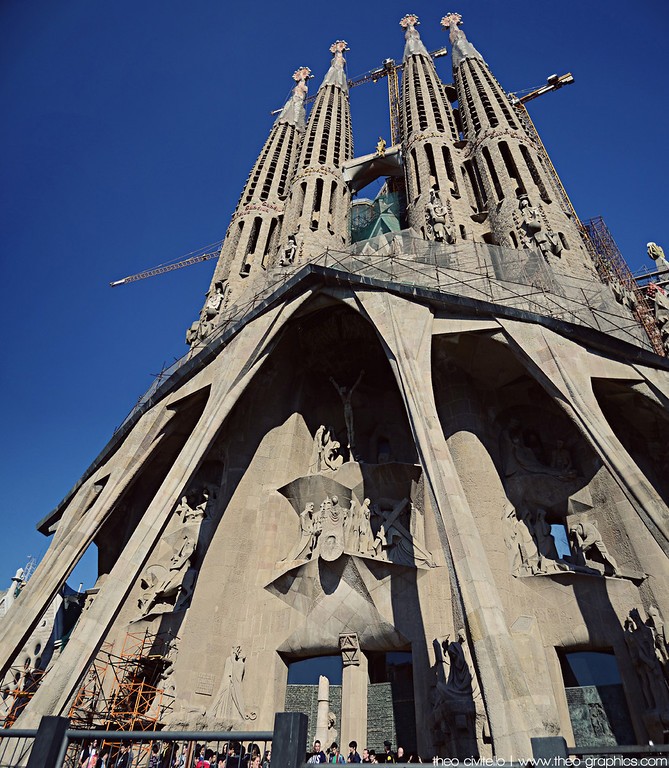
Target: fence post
[
  {"x": 289, "y": 742},
  {"x": 549, "y": 751},
  {"x": 48, "y": 742}
]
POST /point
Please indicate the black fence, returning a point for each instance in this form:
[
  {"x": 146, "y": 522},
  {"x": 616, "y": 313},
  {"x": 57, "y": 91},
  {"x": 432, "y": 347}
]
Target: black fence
[{"x": 56, "y": 745}]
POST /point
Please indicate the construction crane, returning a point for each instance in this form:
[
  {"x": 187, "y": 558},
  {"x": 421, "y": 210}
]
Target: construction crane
[
  {"x": 391, "y": 70},
  {"x": 202, "y": 254}
]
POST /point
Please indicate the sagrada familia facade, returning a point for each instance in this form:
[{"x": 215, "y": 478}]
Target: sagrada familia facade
[{"x": 444, "y": 442}]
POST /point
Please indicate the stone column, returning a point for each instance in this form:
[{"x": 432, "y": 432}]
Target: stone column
[
  {"x": 323, "y": 710},
  {"x": 353, "y": 693}
]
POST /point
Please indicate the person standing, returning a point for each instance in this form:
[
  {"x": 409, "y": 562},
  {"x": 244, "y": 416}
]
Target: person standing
[
  {"x": 353, "y": 756},
  {"x": 388, "y": 756}
]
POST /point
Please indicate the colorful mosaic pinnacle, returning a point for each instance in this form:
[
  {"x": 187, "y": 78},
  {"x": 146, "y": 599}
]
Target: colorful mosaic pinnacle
[
  {"x": 301, "y": 73},
  {"x": 451, "y": 18},
  {"x": 410, "y": 20}
]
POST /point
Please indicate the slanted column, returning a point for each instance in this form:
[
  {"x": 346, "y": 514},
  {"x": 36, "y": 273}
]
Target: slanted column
[
  {"x": 323, "y": 710},
  {"x": 353, "y": 691}
]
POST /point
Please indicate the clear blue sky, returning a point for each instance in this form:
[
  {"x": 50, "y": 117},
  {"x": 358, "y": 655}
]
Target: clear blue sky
[{"x": 129, "y": 129}]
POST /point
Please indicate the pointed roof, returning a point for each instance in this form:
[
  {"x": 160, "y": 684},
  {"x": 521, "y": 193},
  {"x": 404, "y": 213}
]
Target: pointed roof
[
  {"x": 293, "y": 111},
  {"x": 414, "y": 45},
  {"x": 336, "y": 75},
  {"x": 462, "y": 48}
]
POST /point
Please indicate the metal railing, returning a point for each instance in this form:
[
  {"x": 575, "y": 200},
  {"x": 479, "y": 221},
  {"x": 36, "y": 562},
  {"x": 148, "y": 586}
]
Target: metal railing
[{"x": 55, "y": 745}]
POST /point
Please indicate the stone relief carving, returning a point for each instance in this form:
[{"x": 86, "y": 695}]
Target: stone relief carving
[
  {"x": 167, "y": 586},
  {"x": 346, "y": 393},
  {"x": 436, "y": 215},
  {"x": 229, "y": 705},
  {"x": 349, "y": 645},
  {"x": 534, "y": 551},
  {"x": 347, "y": 527},
  {"x": 546, "y": 241}
]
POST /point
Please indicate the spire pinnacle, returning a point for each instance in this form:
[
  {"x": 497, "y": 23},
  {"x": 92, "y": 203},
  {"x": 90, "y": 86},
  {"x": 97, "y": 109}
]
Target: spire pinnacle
[
  {"x": 336, "y": 75},
  {"x": 293, "y": 111},
  {"x": 414, "y": 45},
  {"x": 462, "y": 48}
]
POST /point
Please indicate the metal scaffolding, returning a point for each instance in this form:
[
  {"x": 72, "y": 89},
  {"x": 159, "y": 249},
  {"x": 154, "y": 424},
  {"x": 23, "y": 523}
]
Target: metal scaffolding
[
  {"x": 125, "y": 691},
  {"x": 613, "y": 270}
]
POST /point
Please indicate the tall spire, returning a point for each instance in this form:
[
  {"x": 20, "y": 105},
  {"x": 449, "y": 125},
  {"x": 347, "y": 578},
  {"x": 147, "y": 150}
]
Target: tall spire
[
  {"x": 336, "y": 75},
  {"x": 436, "y": 206},
  {"x": 252, "y": 239},
  {"x": 317, "y": 211},
  {"x": 293, "y": 112},
  {"x": 511, "y": 191},
  {"x": 462, "y": 48},
  {"x": 414, "y": 45}
]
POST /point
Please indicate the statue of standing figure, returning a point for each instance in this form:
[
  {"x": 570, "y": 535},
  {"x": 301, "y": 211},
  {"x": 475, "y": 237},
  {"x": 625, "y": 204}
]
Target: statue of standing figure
[
  {"x": 436, "y": 213},
  {"x": 229, "y": 704},
  {"x": 346, "y": 395},
  {"x": 545, "y": 240}
]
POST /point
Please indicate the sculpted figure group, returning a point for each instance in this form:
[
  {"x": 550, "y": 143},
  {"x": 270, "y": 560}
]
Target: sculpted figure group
[
  {"x": 168, "y": 585},
  {"x": 336, "y": 528},
  {"x": 534, "y": 550}
]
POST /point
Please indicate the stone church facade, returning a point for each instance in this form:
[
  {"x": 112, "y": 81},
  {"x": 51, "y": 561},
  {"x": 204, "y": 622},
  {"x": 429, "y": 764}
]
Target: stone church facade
[{"x": 445, "y": 444}]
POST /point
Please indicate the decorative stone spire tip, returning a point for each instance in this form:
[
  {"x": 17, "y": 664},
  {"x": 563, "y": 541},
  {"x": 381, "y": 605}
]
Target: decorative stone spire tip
[
  {"x": 451, "y": 18},
  {"x": 410, "y": 20}
]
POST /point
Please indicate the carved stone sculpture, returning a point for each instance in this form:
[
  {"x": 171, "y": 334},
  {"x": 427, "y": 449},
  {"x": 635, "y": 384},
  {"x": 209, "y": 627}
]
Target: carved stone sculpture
[
  {"x": 326, "y": 451},
  {"x": 331, "y": 545},
  {"x": 656, "y": 253},
  {"x": 289, "y": 252},
  {"x": 546, "y": 241},
  {"x": 436, "y": 215},
  {"x": 561, "y": 458},
  {"x": 381, "y": 147},
  {"x": 349, "y": 645},
  {"x": 586, "y": 540},
  {"x": 657, "y": 627},
  {"x": 525, "y": 555},
  {"x": 641, "y": 646},
  {"x": 365, "y": 535},
  {"x": 453, "y": 707},
  {"x": 548, "y": 555},
  {"x": 346, "y": 394},
  {"x": 215, "y": 300},
  {"x": 308, "y": 535},
  {"x": 229, "y": 703}
]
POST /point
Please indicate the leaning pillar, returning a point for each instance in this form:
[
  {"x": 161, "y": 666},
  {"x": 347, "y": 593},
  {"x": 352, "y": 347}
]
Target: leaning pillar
[
  {"x": 323, "y": 710},
  {"x": 353, "y": 692}
]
